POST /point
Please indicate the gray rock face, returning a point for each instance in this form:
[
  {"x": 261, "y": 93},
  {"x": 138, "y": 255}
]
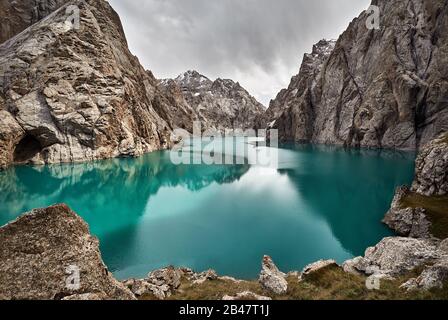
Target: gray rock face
[
  {"x": 378, "y": 88},
  {"x": 41, "y": 253},
  {"x": 316, "y": 267},
  {"x": 271, "y": 278},
  {"x": 431, "y": 177},
  {"x": 432, "y": 277},
  {"x": 290, "y": 112},
  {"x": 407, "y": 222},
  {"x": 395, "y": 256},
  {"x": 79, "y": 94},
  {"x": 20, "y": 14},
  {"x": 220, "y": 104}
]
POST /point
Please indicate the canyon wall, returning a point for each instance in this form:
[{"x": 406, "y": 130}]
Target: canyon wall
[{"x": 381, "y": 87}]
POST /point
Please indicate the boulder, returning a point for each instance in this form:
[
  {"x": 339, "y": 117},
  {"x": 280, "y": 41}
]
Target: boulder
[
  {"x": 204, "y": 276},
  {"x": 434, "y": 276},
  {"x": 407, "y": 222},
  {"x": 316, "y": 266},
  {"x": 431, "y": 177},
  {"x": 169, "y": 276},
  {"x": 396, "y": 256},
  {"x": 50, "y": 254},
  {"x": 271, "y": 278}
]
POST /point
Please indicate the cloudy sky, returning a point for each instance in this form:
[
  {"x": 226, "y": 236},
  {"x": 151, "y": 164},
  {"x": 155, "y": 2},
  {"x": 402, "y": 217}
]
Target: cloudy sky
[{"x": 259, "y": 43}]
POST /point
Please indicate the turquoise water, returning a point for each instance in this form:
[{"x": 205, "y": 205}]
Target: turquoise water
[{"x": 321, "y": 202}]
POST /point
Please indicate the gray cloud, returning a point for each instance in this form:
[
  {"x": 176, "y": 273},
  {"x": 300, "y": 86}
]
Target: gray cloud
[{"x": 259, "y": 43}]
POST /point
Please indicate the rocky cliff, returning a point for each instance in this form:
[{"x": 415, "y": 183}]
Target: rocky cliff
[
  {"x": 422, "y": 210},
  {"x": 220, "y": 104},
  {"x": 69, "y": 94},
  {"x": 378, "y": 88},
  {"x": 291, "y": 111}
]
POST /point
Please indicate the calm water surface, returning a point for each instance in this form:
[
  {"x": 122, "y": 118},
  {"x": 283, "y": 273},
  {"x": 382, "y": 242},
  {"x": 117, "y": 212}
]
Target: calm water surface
[{"x": 321, "y": 202}]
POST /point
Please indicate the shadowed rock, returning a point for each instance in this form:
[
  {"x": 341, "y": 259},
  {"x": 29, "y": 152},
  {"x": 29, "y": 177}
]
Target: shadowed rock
[
  {"x": 42, "y": 252},
  {"x": 376, "y": 88}
]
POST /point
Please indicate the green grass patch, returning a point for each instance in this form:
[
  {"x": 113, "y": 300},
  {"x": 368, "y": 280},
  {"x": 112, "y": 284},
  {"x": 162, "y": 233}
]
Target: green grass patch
[{"x": 436, "y": 209}]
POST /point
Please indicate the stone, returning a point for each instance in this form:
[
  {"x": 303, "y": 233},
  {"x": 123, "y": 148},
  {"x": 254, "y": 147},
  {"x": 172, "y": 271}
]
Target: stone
[
  {"x": 141, "y": 287},
  {"x": 169, "y": 276},
  {"x": 434, "y": 276},
  {"x": 315, "y": 267},
  {"x": 431, "y": 177},
  {"x": 271, "y": 278},
  {"x": 204, "y": 276},
  {"x": 349, "y": 266},
  {"x": 395, "y": 256},
  {"x": 44, "y": 251},
  {"x": 246, "y": 295}
]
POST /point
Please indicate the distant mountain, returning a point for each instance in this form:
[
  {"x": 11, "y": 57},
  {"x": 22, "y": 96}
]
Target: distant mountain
[
  {"x": 286, "y": 111},
  {"x": 220, "y": 104},
  {"x": 383, "y": 88}
]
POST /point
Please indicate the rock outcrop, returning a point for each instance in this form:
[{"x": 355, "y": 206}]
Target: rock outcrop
[
  {"x": 430, "y": 182},
  {"x": 44, "y": 251},
  {"x": 407, "y": 222},
  {"x": 220, "y": 104},
  {"x": 396, "y": 256},
  {"x": 316, "y": 267},
  {"x": 378, "y": 88},
  {"x": 271, "y": 278},
  {"x": 20, "y": 14},
  {"x": 75, "y": 94},
  {"x": 434, "y": 276},
  {"x": 431, "y": 178}
]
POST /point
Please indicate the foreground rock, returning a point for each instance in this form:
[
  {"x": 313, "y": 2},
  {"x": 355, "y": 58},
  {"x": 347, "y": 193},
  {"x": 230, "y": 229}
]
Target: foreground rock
[
  {"x": 396, "y": 256},
  {"x": 271, "y": 278},
  {"x": 41, "y": 253},
  {"x": 316, "y": 267},
  {"x": 432, "y": 277},
  {"x": 377, "y": 88},
  {"x": 165, "y": 282}
]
